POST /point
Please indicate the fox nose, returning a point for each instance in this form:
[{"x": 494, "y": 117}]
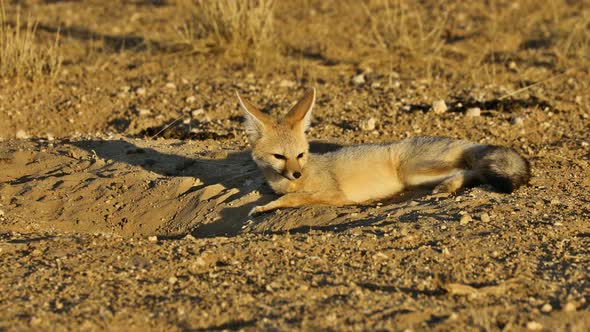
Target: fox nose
[{"x": 297, "y": 175}]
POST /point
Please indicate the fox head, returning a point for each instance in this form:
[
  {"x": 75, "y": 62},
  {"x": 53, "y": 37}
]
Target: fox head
[{"x": 280, "y": 145}]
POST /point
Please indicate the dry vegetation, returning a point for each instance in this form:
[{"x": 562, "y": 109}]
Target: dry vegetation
[
  {"x": 21, "y": 55},
  {"x": 243, "y": 29}
]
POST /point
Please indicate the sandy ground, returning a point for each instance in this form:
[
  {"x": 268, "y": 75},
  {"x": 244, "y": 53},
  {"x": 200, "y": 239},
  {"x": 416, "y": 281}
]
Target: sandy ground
[{"x": 124, "y": 199}]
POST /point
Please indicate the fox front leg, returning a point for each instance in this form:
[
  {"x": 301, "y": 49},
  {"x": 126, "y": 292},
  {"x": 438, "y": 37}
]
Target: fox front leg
[{"x": 302, "y": 199}]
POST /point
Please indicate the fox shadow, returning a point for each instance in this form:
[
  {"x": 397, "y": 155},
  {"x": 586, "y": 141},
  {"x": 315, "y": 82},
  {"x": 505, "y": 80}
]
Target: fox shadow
[{"x": 228, "y": 169}]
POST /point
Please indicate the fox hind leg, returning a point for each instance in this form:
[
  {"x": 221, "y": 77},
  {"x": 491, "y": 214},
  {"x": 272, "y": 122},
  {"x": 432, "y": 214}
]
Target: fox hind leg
[{"x": 456, "y": 181}]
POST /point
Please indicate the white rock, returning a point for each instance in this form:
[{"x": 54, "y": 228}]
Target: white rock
[
  {"x": 518, "y": 121},
  {"x": 473, "y": 112},
  {"x": 534, "y": 326},
  {"x": 359, "y": 79},
  {"x": 172, "y": 280},
  {"x": 199, "y": 114},
  {"x": 484, "y": 217},
  {"x": 368, "y": 124},
  {"x": 191, "y": 99},
  {"x": 21, "y": 134},
  {"x": 144, "y": 111},
  {"x": 170, "y": 85},
  {"x": 439, "y": 106},
  {"x": 140, "y": 91},
  {"x": 153, "y": 238},
  {"x": 569, "y": 307},
  {"x": 465, "y": 219},
  {"x": 287, "y": 84},
  {"x": 546, "y": 308}
]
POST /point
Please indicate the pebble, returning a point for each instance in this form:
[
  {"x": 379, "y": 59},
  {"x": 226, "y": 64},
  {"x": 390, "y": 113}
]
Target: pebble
[
  {"x": 170, "y": 85},
  {"x": 191, "y": 99},
  {"x": 359, "y": 79},
  {"x": 473, "y": 112},
  {"x": 287, "y": 84},
  {"x": 50, "y": 137},
  {"x": 534, "y": 326},
  {"x": 144, "y": 111},
  {"x": 439, "y": 106},
  {"x": 546, "y": 308},
  {"x": 484, "y": 217},
  {"x": 153, "y": 238},
  {"x": 172, "y": 280},
  {"x": 518, "y": 121},
  {"x": 1, "y": 213},
  {"x": 368, "y": 124},
  {"x": 578, "y": 100},
  {"x": 21, "y": 134},
  {"x": 569, "y": 307},
  {"x": 140, "y": 91},
  {"x": 465, "y": 219},
  {"x": 200, "y": 115}
]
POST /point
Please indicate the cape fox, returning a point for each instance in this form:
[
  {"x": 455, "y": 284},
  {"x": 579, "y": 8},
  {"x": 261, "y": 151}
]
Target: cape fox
[{"x": 362, "y": 173}]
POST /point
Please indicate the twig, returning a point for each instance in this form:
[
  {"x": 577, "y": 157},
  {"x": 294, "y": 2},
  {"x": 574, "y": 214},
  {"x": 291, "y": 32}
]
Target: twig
[
  {"x": 167, "y": 126},
  {"x": 535, "y": 84}
]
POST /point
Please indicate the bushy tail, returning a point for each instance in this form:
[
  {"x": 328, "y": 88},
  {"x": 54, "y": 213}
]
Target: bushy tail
[{"x": 501, "y": 167}]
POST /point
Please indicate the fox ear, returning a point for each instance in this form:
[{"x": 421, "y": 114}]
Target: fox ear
[
  {"x": 256, "y": 121},
  {"x": 300, "y": 114}
]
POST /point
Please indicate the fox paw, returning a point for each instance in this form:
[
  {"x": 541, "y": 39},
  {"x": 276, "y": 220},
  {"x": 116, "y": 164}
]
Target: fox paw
[{"x": 255, "y": 210}]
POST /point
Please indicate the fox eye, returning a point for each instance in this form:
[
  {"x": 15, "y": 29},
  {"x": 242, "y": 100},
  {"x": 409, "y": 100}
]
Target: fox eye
[
  {"x": 299, "y": 156},
  {"x": 279, "y": 156}
]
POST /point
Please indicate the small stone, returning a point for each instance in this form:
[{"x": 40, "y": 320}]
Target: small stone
[
  {"x": 512, "y": 66},
  {"x": 140, "y": 91},
  {"x": 368, "y": 124},
  {"x": 439, "y": 106},
  {"x": 287, "y": 84},
  {"x": 518, "y": 121},
  {"x": 569, "y": 307},
  {"x": 191, "y": 99},
  {"x": 546, "y": 308},
  {"x": 465, "y": 219},
  {"x": 534, "y": 326},
  {"x": 153, "y": 238},
  {"x": 200, "y": 115},
  {"x": 578, "y": 100},
  {"x": 2, "y": 214},
  {"x": 359, "y": 79},
  {"x": 144, "y": 111},
  {"x": 172, "y": 280},
  {"x": 584, "y": 144},
  {"x": 50, "y": 137},
  {"x": 473, "y": 112},
  {"x": 21, "y": 134},
  {"x": 170, "y": 85},
  {"x": 484, "y": 217}
]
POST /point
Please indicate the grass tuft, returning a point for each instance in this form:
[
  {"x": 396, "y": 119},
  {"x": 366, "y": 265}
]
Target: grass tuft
[
  {"x": 21, "y": 57},
  {"x": 241, "y": 29}
]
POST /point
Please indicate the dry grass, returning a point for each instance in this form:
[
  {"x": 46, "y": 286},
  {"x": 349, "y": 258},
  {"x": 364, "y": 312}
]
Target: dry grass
[
  {"x": 408, "y": 28},
  {"x": 242, "y": 29},
  {"x": 20, "y": 54}
]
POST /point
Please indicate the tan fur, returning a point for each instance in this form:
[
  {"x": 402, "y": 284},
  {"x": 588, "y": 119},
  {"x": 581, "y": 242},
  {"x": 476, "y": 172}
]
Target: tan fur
[{"x": 357, "y": 174}]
